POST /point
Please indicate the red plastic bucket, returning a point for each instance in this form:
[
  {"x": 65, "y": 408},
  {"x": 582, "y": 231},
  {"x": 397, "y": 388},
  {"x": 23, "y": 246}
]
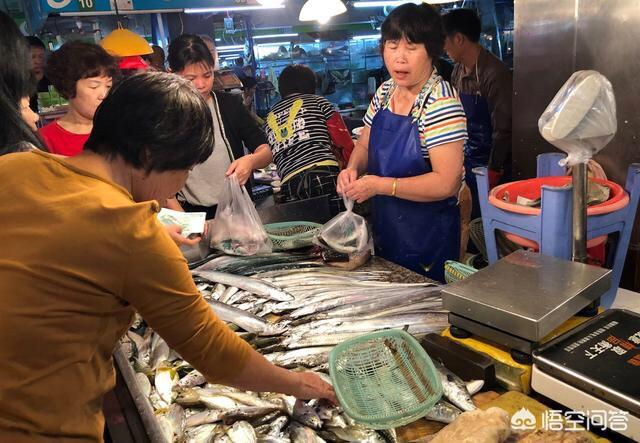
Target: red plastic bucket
[{"x": 505, "y": 196}]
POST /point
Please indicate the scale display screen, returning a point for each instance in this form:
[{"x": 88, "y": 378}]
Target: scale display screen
[{"x": 602, "y": 356}]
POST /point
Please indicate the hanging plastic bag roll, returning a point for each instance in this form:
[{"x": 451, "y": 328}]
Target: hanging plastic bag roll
[
  {"x": 346, "y": 233},
  {"x": 581, "y": 118},
  {"x": 237, "y": 228}
]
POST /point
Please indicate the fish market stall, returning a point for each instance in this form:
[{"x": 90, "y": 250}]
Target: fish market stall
[{"x": 294, "y": 316}]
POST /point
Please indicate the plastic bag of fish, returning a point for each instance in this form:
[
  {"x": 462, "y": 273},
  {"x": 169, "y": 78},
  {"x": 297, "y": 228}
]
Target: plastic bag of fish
[
  {"x": 236, "y": 228},
  {"x": 346, "y": 238}
]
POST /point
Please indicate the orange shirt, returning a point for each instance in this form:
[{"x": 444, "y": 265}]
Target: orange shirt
[{"x": 77, "y": 256}]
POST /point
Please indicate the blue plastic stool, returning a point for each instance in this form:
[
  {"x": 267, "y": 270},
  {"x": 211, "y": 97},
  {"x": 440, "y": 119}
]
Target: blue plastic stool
[{"x": 552, "y": 229}]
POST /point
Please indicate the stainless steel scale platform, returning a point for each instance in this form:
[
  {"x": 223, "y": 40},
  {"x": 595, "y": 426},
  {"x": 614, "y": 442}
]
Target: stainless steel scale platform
[{"x": 521, "y": 298}]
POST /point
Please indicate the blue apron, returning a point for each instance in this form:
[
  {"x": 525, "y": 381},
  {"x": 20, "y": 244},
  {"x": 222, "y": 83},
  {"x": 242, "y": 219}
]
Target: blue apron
[
  {"x": 477, "y": 148},
  {"x": 418, "y": 236}
]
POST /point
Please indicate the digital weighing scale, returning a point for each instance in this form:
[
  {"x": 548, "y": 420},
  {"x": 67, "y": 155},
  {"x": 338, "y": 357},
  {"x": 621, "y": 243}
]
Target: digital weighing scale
[
  {"x": 520, "y": 299},
  {"x": 595, "y": 369}
]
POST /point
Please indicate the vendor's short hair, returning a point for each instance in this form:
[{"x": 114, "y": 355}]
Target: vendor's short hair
[
  {"x": 188, "y": 49},
  {"x": 35, "y": 42},
  {"x": 418, "y": 24},
  {"x": 465, "y": 21},
  {"x": 154, "y": 121},
  {"x": 296, "y": 79},
  {"x": 76, "y": 60}
]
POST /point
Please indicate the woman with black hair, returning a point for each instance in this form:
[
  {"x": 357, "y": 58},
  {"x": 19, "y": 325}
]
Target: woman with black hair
[
  {"x": 411, "y": 148},
  {"x": 102, "y": 255},
  {"x": 17, "y": 121},
  {"x": 83, "y": 74},
  {"x": 234, "y": 130},
  {"x": 301, "y": 140}
]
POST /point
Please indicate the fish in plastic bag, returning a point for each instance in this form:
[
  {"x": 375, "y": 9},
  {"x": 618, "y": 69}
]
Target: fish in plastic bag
[
  {"x": 346, "y": 238},
  {"x": 237, "y": 228}
]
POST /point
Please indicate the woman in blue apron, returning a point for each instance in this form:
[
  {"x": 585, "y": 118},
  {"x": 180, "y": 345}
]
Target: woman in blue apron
[{"x": 411, "y": 149}]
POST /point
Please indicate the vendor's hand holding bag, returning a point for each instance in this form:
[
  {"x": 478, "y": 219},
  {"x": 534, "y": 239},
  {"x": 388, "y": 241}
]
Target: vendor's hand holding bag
[
  {"x": 347, "y": 233},
  {"x": 237, "y": 228}
]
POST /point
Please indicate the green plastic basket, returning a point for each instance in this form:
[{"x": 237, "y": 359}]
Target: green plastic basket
[
  {"x": 456, "y": 271},
  {"x": 292, "y": 235},
  {"x": 384, "y": 379}
]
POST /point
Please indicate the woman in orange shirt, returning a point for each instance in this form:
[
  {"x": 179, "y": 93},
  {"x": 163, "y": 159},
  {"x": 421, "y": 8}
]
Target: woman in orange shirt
[{"x": 70, "y": 295}]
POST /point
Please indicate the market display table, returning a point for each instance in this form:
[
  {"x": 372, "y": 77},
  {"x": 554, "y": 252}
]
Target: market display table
[{"x": 128, "y": 414}]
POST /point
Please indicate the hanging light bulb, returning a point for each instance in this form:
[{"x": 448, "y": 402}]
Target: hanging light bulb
[
  {"x": 321, "y": 10},
  {"x": 270, "y": 3}
]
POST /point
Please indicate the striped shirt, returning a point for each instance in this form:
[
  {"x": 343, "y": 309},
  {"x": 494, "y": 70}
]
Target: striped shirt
[
  {"x": 437, "y": 110},
  {"x": 298, "y": 135}
]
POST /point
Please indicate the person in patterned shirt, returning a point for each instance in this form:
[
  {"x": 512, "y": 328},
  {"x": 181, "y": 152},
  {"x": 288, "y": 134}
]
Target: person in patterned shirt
[
  {"x": 411, "y": 148},
  {"x": 308, "y": 139}
]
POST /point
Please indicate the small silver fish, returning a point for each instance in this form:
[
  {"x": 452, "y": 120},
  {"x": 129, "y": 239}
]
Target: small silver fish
[
  {"x": 474, "y": 386},
  {"x": 454, "y": 388},
  {"x": 192, "y": 379},
  {"x": 443, "y": 412},
  {"x": 160, "y": 351},
  {"x": 165, "y": 379},
  {"x": 241, "y": 431},
  {"x": 166, "y": 428},
  {"x": 303, "y": 434},
  {"x": 306, "y": 415},
  {"x": 273, "y": 439},
  {"x": 276, "y": 426},
  {"x": 356, "y": 434},
  {"x": 176, "y": 416},
  {"x": 389, "y": 435},
  {"x": 201, "y": 434}
]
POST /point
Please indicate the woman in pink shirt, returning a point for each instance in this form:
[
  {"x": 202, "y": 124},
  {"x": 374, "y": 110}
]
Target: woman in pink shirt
[{"x": 83, "y": 74}]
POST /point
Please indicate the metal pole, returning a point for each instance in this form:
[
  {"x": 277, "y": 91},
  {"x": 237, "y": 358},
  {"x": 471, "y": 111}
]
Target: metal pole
[
  {"x": 580, "y": 213},
  {"x": 580, "y": 226}
]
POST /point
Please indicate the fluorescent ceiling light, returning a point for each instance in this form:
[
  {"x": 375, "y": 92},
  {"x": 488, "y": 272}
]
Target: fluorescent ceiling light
[
  {"x": 365, "y": 37},
  {"x": 266, "y": 45},
  {"x": 257, "y": 37},
  {"x": 383, "y": 3},
  {"x": 231, "y": 48},
  {"x": 229, "y": 9},
  {"x": 321, "y": 10}
]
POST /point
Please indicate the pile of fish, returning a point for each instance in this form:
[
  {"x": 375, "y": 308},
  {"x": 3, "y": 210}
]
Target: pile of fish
[{"x": 293, "y": 312}]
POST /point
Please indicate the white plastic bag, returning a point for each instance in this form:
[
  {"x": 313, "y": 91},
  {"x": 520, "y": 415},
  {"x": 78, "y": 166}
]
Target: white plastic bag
[
  {"x": 346, "y": 233},
  {"x": 581, "y": 118},
  {"x": 237, "y": 229}
]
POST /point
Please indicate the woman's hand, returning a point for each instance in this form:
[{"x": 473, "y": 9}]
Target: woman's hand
[
  {"x": 175, "y": 232},
  {"x": 345, "y": 178},
  {"x": 310, "y": 385},
  {"x": 364, "y": 188},
  {"x": 242, "y": 167}
]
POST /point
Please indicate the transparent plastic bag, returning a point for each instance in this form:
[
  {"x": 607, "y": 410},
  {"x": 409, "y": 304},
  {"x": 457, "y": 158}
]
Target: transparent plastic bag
[
  {"x": 236, "y": 228},
  {"x": 581, "y": 118},
  {"x": 346, "y": 233}
]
